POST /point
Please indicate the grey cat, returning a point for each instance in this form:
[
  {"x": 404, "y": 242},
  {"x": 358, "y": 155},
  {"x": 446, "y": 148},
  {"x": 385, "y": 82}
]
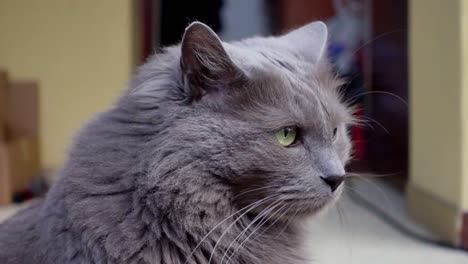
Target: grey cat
[{"x": 216, "y": 154}]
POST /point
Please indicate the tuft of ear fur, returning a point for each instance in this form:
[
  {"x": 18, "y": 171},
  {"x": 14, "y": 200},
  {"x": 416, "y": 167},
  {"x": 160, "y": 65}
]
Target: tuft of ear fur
[
  {"x": 310, "y": 41},
  {"x": 206, "y": 66}
]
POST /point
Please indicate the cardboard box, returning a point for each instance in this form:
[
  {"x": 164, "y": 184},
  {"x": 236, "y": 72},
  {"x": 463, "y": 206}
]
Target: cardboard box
[
  {"x": 6, "y": 190},
  {"x": 23, "y": 109},
  {"x": 19, "y": 164},
  {"x": 19, "y": 147}
]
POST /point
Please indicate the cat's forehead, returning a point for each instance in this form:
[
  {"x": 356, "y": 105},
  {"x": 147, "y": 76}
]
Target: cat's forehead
[
  {"x": 287, "y": 86},
  {"x": 264, "y": 53},
  {"x": 280, "y": 71}
]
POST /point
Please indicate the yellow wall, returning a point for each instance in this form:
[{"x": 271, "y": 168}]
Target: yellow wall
[
  {"x": 438, "y": 188},
  {"x": 464, "y": 98},
  {"x": 436, "y": 105},
  {"x": 81, "y": 51}
]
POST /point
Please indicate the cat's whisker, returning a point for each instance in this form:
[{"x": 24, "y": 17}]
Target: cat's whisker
[
  {"x": 340, "y": 216},
  {"x": 343, "y": 222},
  {"x": 247, "y": 208},
  {"x": 288, "y": 223},
  {"x": 288, "y": 220},
  {"x": 378, "y": 188},
  {"x": 265, "y": 212},
  {"x": 256, "y": 229},
  {"x": 352, "y": 190},
  {"x": 376, "y": 38},
  {"x": 362, "y": 123},
  {"x": 361, "y": 175},
  {"x": 262, "y": 201},
  {"x": 263, "y": 215},
  {"x": 251, "y": 190},
  {"x": 276, "y": 220},
  {"x": 361, "y": 120},
  {"x": 376, "y": 122},
  {"x": 399, "y": 98}
]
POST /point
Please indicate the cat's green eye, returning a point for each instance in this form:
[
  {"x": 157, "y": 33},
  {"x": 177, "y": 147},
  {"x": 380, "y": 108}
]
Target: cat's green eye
[{"x": 286, "y": 136}]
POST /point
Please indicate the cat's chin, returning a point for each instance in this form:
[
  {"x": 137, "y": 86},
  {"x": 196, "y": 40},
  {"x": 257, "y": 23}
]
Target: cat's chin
[
  {"x": 329, "y": 203},
  {"x": 319, "y": 207}
]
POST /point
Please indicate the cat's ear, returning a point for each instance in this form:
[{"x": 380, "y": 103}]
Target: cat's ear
[
  {"x": 206, "y": 66},
  {"x": 310, "y": 41}
]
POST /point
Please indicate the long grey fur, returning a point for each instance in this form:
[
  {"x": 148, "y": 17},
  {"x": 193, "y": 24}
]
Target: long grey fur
[{"x": 187, "y": 159}]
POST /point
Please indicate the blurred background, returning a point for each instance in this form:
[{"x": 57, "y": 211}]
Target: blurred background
[{"x": 406, "y": 66}]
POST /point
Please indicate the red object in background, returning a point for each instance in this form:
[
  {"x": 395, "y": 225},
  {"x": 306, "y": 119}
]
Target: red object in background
[
  {"x": 146, "y": 22},
  {"x": 149, "y": 22},
  {"x": 358, "y": 136}
]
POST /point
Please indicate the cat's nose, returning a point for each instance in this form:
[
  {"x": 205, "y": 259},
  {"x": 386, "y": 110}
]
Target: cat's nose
[{"x": 333, "y": 181}]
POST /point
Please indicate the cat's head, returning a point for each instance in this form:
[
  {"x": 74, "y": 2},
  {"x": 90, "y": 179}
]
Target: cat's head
[{"x": 262, "y": 116}]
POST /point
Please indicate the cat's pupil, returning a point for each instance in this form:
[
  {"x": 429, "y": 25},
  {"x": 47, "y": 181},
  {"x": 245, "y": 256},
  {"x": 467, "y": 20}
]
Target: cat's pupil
[{"x": 286, "y": 132}]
